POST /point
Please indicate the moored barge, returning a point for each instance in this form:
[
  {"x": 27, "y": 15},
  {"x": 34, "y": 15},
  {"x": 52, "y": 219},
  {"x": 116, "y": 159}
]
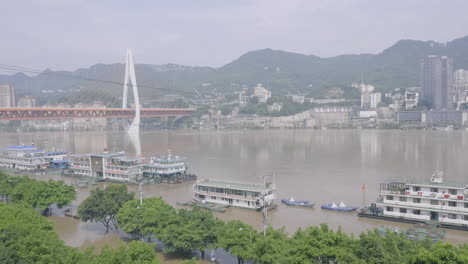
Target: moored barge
[{"x": 443, "y": 203}]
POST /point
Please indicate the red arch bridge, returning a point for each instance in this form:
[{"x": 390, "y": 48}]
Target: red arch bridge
[{"x": 68, "y": 113}]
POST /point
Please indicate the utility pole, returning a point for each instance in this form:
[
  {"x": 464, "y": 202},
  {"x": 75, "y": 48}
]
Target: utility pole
[
  {"x": 265, "y": 209},
  {"x": 140, "y": 189}
]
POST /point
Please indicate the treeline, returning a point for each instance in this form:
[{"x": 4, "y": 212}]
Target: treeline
[
  {"x": 28, "y": 237},
  {"x": 197, "y": 229},
  {"x": 39, "y": 195}
]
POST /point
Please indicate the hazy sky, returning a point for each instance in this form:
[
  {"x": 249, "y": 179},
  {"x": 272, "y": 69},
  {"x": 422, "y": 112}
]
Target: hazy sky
[{"x": 67, "y": 34}]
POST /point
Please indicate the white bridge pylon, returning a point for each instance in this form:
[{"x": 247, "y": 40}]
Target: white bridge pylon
[{"x": 130, "y": 78}]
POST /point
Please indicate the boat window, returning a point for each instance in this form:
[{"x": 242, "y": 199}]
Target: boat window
[
  {"x": 389, "y": 197},
  {"x": 434, "y": 202},
  {"x": 452, "y": 204},
  {"x": 453, "y": 191},
  {"x": 389, "y": 209},
  {"x": 403, "y": 199},
  {"x": 465, "y": 217},
  {"x": 466, "y": 205},
  {"x": 434, "y": 190},
  {"x": 417, "y": 212},
  {"x": 403, "y": 210},
  {"x": 452, "y": 216},
  {"x": 416, "y": 200},
  {"x": 416, "y": 188}
]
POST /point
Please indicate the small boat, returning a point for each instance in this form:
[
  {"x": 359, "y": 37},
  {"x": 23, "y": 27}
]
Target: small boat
[
  {"x": 385, "y": 230},
  {"x": 301, "y": 203},
  {"x": 340, "y": 208}
]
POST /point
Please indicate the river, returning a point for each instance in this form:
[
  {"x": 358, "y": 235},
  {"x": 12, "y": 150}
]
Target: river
[{"x": 317, "y": 165}]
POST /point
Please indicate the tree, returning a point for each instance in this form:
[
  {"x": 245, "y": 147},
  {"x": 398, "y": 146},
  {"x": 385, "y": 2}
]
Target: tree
[
  {"x": 254, "y": 100},
  {"x": 321, "y": 245},
  {"x": 28, "y": 237},
  {"x": 237, "y": 238},
  {"x": 441, "y": 253},
  {"x": 192, "y": 230},
  {"x": 190, "y": 261},
  {"x": 38, "y": 194},
  {"x": 271, "y": 248},
  {"x": 103, "y": 205},
  {"x": 134, "y": 252},
  {"x": 150, "y": 218}
]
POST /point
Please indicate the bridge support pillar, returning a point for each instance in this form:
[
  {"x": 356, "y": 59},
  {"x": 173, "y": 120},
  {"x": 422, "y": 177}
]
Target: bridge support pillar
[{"x": 130, "y": 78}]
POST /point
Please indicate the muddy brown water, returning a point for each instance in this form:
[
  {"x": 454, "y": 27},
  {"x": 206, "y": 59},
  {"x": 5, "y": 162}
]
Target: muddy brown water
[{"x": 318, "y": 165}]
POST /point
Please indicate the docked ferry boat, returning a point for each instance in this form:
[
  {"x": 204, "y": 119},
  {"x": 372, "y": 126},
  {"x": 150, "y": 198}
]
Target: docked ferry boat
[
  {"x": 243, "y": 195},
  {"x": 167, "y": 165},
  {"x": 167, "y": 169},
  {"x": 29, "y": 158},
  {"x": 107, "y": 166},
  {"x": 435, "y": 200}
]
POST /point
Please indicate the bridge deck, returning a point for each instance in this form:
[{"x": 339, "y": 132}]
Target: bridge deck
[{"x": 68, "y": 113}]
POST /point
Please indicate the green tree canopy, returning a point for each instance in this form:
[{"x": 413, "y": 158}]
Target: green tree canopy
[
  {"x": 103, "y": 205},
  {"x": 38, "y": 194},
  {"x": 150, "y": 218},
  {"x": 237, "y": 238}
]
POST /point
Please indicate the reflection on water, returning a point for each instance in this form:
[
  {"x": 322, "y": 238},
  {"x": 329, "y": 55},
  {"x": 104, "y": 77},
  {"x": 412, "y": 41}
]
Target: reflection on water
[{"x": 317, "y": 165}]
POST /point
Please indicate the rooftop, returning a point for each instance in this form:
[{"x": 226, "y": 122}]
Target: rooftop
[
  {"x": 108, "y": 155},
  {"x": 231, "y": 185},
  {"x": 20, "y": 148}
]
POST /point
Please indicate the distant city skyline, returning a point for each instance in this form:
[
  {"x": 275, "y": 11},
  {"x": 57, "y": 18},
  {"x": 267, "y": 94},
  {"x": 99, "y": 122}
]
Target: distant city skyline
[{"x": 71, "y": 34}]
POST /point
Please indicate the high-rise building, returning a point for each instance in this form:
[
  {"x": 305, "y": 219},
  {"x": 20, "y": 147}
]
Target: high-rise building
[
  {"x": 437, "y": 81},
  {"x": 375, "y": 100},
  {"x": 460, "y": 85},
  {"x": 27, "y": 102},
  {"x": 7, "y": 96}
]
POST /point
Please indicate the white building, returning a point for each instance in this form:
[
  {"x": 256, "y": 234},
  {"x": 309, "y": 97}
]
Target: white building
[
  {"x": 275, "y": 107},
  {"x": 375, "y": 99},
  {"x": 7, "y": 96},
  {"x": 298, "y": 99},
  {"x": 411, "y": 99},
  {"x": 261, "y": 93},
  {"x": 460, "y": 85},
  {"x": 27, "y": 102},
  {"x": 363, "y": 88},
  {"x": 367, "y": 114}
]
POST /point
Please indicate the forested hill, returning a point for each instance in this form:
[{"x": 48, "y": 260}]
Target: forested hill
[{"x": 282, "y": 72}]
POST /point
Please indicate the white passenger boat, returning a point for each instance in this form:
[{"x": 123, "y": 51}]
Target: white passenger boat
[
  {"x": 436, "y": 200},
  {"x": 252, "y": 196},
  {"x": 29, "y": 158}
]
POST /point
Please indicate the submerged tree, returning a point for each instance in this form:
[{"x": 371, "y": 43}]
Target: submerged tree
[
  {"x": 38, "y": 194},
  {"x": 195, "y": 229},
  {"x": 149, "y": 218},
  {"x": 237, "y": 238},
  {"x": 103, "y": 205}
]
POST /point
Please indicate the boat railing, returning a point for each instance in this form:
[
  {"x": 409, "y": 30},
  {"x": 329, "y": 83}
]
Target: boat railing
[
  {"x": 432, "y": 195},
  {"x": 425, "y": 206}
]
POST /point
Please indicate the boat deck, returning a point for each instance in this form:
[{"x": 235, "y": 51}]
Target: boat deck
[{"x": 367, "y": 214}]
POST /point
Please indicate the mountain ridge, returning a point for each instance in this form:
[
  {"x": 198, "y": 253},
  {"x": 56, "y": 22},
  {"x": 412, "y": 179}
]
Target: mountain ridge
[{"x": 281, "y": 71}]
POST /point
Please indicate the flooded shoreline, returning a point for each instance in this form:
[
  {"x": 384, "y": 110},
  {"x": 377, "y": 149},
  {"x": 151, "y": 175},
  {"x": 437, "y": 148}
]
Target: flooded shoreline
[{"x": 320, "y": 166}]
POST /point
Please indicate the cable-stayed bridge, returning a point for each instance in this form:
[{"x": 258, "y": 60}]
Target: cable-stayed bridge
[{"x": 134, "y": 114}]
